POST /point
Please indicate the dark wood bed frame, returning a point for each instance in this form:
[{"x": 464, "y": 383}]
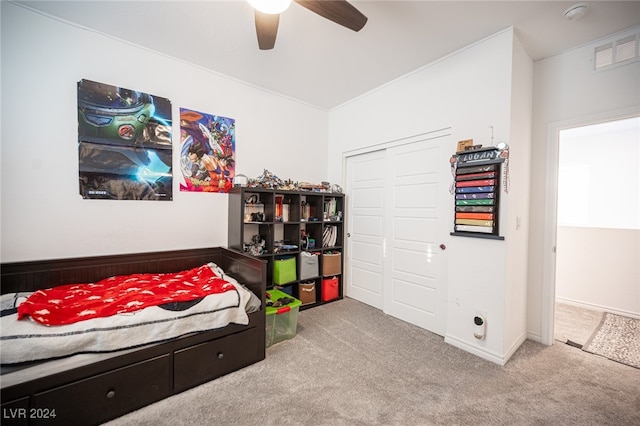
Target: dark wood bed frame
[{"x": 115, "y": 385}]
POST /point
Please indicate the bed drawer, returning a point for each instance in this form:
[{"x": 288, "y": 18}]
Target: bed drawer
[
  {"x": 103, "y": 397},
  {"x": 201, "y": 363}
]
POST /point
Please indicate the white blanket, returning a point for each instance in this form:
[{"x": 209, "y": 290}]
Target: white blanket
[{"x": 27, "y": 340}]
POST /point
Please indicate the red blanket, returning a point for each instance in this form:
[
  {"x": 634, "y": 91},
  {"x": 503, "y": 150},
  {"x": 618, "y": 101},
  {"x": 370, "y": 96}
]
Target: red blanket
[{"x": 71, "y": 303}]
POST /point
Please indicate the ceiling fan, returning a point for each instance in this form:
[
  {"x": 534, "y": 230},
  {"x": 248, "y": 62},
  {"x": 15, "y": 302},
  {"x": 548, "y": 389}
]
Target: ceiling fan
[{"x": 267, "y": 16}]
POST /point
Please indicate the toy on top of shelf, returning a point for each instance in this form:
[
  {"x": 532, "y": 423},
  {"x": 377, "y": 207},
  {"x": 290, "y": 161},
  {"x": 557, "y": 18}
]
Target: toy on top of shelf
[{"x": 269, "y": 180}]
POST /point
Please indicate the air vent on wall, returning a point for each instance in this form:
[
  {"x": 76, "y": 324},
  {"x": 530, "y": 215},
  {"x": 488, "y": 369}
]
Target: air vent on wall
[
  {"x": 626, "y": 49},
  {"x": 617, "y": 52},
  {"x": 604, "y": 56}
]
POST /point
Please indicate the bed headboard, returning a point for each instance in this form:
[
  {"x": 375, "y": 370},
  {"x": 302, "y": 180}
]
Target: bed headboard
[{"x": 34, "y": 275}]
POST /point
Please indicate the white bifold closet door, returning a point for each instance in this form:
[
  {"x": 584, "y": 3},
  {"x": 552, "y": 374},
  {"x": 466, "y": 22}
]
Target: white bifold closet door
[
  {"x": 365, "y": 232},
  {"x": 397, "y": 223}
]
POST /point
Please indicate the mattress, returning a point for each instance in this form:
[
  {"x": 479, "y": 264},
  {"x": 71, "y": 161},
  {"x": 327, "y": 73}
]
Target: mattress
[{"x": 27, "y": 340}]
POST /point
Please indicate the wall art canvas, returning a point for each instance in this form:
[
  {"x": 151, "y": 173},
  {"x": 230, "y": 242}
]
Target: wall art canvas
[
  {"x": 207, "y": 153},
  {"x": 124, "y": 143}
]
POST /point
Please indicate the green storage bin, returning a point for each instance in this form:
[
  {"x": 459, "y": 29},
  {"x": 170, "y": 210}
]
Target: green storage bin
[
  {"x": 284, "y": 270},
  {"x": 282, "y": 322}
]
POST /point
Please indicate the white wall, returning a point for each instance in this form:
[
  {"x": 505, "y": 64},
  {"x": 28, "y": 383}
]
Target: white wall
[
  {"x": 594, "y": 193},
  {"x": 598, "y": 268},
  {"x": 467, "y": 91},
  {"x": 43, "y": 216},
  {"x": 598, "y": 235},
  {"x": 517, "y": 224},
  {"x": 567, "y": 93}
]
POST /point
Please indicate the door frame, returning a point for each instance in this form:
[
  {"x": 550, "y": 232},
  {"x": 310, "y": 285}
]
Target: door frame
[
  {"x": 551, "y": 210},
  {"x": 433, "y": 134}
]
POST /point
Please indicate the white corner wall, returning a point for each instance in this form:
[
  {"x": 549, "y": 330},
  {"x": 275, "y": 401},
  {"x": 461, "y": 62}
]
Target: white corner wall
[
  {"x": 517, "y": 224},
  {"x": 42, "y": 214},
  {"x": 567, "y": 92},
  {"x": 468, "y": 91}
]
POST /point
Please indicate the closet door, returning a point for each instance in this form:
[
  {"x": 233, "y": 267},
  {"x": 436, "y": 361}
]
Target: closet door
[
  {"x": 365, "y": 240},
  {"x": 416, "y": 225},
  {"x": 397, "y": 223}
]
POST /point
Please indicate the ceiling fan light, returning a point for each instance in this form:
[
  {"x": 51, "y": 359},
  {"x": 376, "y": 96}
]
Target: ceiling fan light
[{"x": 271, "y": 7}]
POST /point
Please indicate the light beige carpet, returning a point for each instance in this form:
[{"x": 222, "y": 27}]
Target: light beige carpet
[
  {"x": 575, "y": 324},
  {"x": 617, "y": 338},
  {"x": 352, "y": 365}
]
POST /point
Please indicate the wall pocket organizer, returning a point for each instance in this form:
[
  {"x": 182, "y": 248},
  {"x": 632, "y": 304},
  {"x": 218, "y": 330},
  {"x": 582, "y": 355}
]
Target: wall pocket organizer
[{"x": 476, "y": 187}]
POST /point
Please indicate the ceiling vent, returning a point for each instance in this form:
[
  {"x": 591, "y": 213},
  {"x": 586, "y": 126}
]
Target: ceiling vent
[{"x": 624, "y": 50}]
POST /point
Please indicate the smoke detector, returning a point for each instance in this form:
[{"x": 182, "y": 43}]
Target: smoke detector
[{"x": 576, "y": 11}]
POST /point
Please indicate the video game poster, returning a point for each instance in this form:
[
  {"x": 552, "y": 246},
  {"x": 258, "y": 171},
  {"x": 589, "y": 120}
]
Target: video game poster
[{"x": 124, "y": 143}]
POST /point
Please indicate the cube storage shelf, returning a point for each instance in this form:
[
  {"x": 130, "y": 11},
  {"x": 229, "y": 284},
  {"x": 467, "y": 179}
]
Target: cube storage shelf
[{"x": 280, "y": 225}]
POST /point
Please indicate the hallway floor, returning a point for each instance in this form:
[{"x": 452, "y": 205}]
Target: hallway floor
[{"x": 574, "y": 323}]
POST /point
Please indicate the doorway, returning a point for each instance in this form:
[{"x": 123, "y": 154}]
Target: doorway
[
  {"x": 597, "y": 226},
  {"x": 395, "y": 217}
]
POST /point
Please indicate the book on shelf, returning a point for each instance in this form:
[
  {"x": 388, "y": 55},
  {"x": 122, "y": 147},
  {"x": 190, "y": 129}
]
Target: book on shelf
[
  {"x": 330, "y": 209},
  {"x": 329, "y": 235}
]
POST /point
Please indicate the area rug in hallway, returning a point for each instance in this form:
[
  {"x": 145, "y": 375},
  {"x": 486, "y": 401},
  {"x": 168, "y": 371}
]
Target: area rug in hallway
[{"x": 617, "y": 338}]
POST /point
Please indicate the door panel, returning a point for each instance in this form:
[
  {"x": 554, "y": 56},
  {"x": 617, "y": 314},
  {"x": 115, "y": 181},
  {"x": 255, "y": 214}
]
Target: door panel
[
  {"x": 367, "y": 282},
  {"x": 414, "y": 297},
  {"x": 365, "y": 227},
  {"x": 414, "y": 288}
]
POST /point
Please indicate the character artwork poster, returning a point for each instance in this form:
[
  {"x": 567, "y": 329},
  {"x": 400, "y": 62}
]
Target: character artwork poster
[
  {"x": 207, "y": 156},
  {"x": 124, "y": 143}
]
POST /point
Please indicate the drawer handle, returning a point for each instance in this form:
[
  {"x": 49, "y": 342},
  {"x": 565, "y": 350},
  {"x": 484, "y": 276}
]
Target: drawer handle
[
  {"x": 111, "y": 393},
  {"x": 220, "y": 355}
]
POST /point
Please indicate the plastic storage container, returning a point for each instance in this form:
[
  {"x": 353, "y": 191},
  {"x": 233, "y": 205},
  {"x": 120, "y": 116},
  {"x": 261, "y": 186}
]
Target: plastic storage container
[{"x": 282, "y": 322}]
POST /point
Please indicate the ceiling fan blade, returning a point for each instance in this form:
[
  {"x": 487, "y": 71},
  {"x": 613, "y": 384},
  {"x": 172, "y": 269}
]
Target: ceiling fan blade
[
  {"x": 266, "y": 29},
  {"x": 339, "y": 11}
]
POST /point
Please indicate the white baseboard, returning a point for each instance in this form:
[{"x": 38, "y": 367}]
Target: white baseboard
[
  {"x": 595, "y": 307},
  {"x": 514, "y": 347},
  {"x": 483, "y": 353},
  {"x": 536, "y": 337}
]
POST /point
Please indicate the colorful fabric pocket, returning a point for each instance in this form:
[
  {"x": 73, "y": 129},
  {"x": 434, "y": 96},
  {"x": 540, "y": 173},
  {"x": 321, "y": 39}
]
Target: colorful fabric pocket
[
  {"x": 473, "y": 176},
  {"x": 476, "y": 169},
  {"x": 471, "y": 228},
  {"x": 472, "y": 189},
  {"x": 481, "y": 216},
  {"x": 475, "y": 209},
  {"x": 485, "y": 182},
  {"x": 474, "y": 222},
  {"x": 474, "y": 202},
  {"x": 475, "y": 196}
]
